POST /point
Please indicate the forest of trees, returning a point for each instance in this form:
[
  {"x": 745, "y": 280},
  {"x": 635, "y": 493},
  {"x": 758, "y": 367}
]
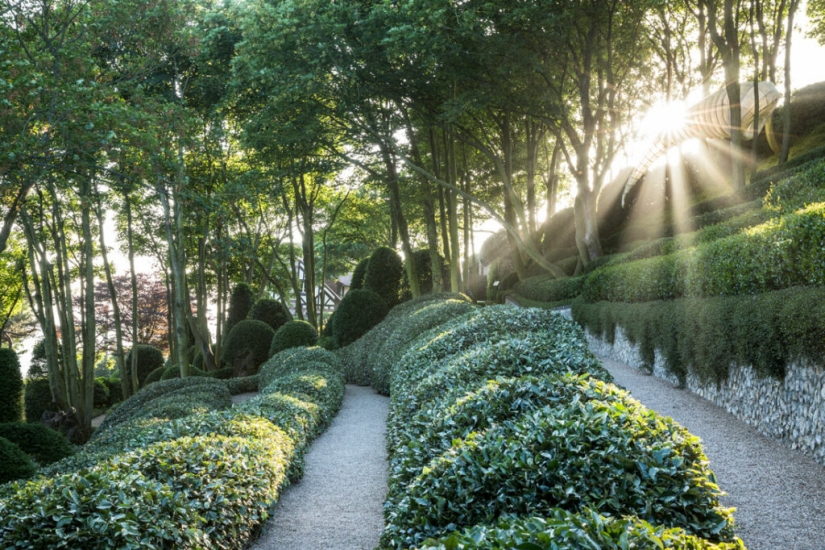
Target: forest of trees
[{"x": 231, "y": 141}]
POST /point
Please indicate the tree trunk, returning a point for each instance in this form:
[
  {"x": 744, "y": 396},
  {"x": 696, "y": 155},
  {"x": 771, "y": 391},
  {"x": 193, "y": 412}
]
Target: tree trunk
[
  {"x": 86, "y": 401},
  {"x": 398, "y": 215},
  {"x": 786, "y": 115}
]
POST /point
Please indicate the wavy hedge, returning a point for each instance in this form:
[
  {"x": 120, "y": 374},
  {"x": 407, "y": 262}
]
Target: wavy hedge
[
  {"x": 503, "y": 412},
  {"x": 203, "y": 480}
]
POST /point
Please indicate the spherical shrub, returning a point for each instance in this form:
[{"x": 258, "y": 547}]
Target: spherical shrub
[
  {"x": 149, "y": 358},
  {"x": 271, "y": 312},
  {"x": 38, "y": 399},
  {"x": 14, "y": 463},
  {"x": 11, "y": 387},
  {"x": 359, "y": 311},
  {"x": 36, "y": 440},
  {"x": 156, "y": 375},
  {"x": 240, "y": 303},
  {"x": 358, "y": 274},
  {"x": 383, "y": 275},
  {"x": 247, "y": 346},
  {"x": 292, "y": 335}
]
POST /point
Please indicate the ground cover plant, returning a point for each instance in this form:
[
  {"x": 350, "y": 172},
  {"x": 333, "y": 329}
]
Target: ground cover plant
[
  {"x": 206, "y": 478},
  {"x": 504, "y": 430}
]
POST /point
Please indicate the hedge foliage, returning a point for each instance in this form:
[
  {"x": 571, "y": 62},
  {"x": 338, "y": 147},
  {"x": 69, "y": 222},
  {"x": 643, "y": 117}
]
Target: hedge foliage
[
  {"x": 358, "y": 274},
  {"x": 11, "y": 387},
  {"x": 292, "y": 335},
  {"x": 501, "y": 412},
  {"x": 38, "y": 398},
  {"x": 383, "y": 275},
  {"x": 247, "y": 346},
  {"x": 282, "y": 363},
  {"x": 14, "y": 463},
  {"x": 271, "y": 312},
  {"x": 41, "y": 443},
  {"x": 705, "y": 336},
  {"x": 240, "y": 304},
  {"x": 359, "y": 311},
  {"x": 205, "y": 480},
  {"x": 149, "y": 358}
]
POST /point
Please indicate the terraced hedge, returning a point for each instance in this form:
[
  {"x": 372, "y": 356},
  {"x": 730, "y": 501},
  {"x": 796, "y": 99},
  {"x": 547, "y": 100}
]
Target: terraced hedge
[
  {"x": 501, "y": 412},
  {"x": 202, "y": 480}
]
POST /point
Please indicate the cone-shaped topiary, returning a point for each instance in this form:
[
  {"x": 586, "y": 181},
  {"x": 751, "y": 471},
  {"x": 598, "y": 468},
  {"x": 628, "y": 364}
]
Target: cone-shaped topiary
[
  {"x": 359, "y": 311},
  {"x": 38, "y": 399},
  {"x": 358, "y": 275},
  {"x": 149, "y": 358},
  {"x": 384, "y": 275},
  {"x": 247, "y": 346},
  {"x": 271, "y": 312},
  {"x": 11, "y": 387},
  {"x": 43, "y": 444},
  {"x": 240, "y": 303},
  {"x": 292, "y": 335},
  {"x": 14, "y": 463}
]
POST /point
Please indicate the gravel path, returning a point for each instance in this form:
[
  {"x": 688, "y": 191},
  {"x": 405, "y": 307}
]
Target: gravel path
[
  {"x": 338, "y": 504},
  {"x": 779, "y": 493}
]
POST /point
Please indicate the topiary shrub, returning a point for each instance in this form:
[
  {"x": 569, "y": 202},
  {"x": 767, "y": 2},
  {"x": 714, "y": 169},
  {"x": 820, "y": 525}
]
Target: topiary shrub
[
  {"x": 240, "y": 303},
  {"x": 383, "y": 275},
  {"x": 359, "y": 311},
  {"x": 100, "y": 397},
  {"x": 424, "y": 268},
  {"x": 36, "y": 440},
  {"x": 271, "y": 312},
  {"x": 14, "y": 463},
  {"x": 174, "y": 372},
  {"x": 292, "y": 335},
  {"x": 11, "y": 387},
  {"x": 358, "y": 274},
  {"x": 247, "y": 346},
  {"x": 115, "y": 390},
  {"x": 221, "y": 374},
  {"x": 149, "y": 358},
  {"x": 327, "y": 342},
  {"x": 156, "y": 375},
  {"x": 38, "y": 399},
  {"x": 284, "y": 362}
]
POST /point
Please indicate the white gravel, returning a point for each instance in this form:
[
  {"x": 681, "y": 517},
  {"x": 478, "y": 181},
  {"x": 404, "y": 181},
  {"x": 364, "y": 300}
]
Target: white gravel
[
  {"x": 779, "y": 493},
  {"x": 338, "y": 504}
]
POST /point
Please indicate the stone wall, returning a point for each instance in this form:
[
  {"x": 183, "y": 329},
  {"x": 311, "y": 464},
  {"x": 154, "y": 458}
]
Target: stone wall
[{"x": 791, "y": 411}]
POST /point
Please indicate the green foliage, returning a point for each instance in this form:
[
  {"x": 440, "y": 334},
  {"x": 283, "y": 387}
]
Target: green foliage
[
  {"x": 358, "y": 274},
  {"x": 240, "y": 304},
  {"x": 247, "y": 346},
  {"x": 114, "y": 389},
  {"x": 805, "y": 187},
  {"x": 359, "y": 311},
  {"x": 562, "y": 530},
  {"x": 101, "y": 394},
  {"x": 292, "y": 335},
  {"x": 544, "y": 289},
  {"x": 221, "y": 374},
  {"x": 14, "y": 464},
  {"x": 173, "y": 371},
  {"x": 383, "y": 275},
  {"x": 36, "y": 440},
  {"x": 245, "y": 384},
  {"x": 271, "y": 312},
  {"x": 157, "y": 374},
  {"x": 11, "y": 387},
  {"x": 38, "y": 398},
  {"x": 281, "y": 363},
  {"x": 327, "y": 342},
  {"x": 423, "y": 266},
  {"x": 149, "y": 358}
]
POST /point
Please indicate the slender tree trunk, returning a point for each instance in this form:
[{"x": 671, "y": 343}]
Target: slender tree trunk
[
  {"x": 133, "y": 357},
  {"x": 86, "y": 400},
  {"x": 786, "y": 115}
]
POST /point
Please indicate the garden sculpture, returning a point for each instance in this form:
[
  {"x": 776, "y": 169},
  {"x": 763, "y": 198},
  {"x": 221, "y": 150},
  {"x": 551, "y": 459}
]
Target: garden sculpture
[{"x": 710, "y": 119}]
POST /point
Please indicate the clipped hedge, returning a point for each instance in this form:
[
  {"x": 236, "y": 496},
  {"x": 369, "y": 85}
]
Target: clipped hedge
[
  {"x": 11, "y": 387},
  {"x": 383, "y": 275},
  {"x": 240, "y": 303},
  {"x": 271, "y": 312},
  {"x": 292, "y": 335},
  {"x": 41, "y": 443},
  {"x": 247, "y": 346},
  {"x": 14, "y": 464},
  {"x": 358, "y": 274},
  {"x": 359, "y": 311},
  {"x": 38, "y": 399},
  {"x": 544, "y": 289},
  {"x": 149, "y": 358},
  {"x": 284, "y": 361}
]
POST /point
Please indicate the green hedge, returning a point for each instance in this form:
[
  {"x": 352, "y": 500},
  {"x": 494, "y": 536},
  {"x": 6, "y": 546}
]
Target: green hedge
[
  {"x": 544, "y": 289},
  {"x": 41, "y": 443},
  {"x": 271, "y": 312},
  {"x": 383, "y": 275},
  {"x": 247, "y": 346},
  {"x": 359, "y": 311},
  {"x": 705, "y": 336},
  {"x": 37, "y": 398},
  {"x": 292, "y": 335},
  {"x": 14, "y": 464},
  {"x": 11, "y": 387},
  {"x": 149, "y": 358},
  {"x": 283, "y": 362}
]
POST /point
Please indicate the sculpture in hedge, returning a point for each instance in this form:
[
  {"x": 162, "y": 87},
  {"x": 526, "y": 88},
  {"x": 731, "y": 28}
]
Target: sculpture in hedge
[
  {"x": 247, "y": 346},
  {"x": 292, "y": 335},
  {"x": 358, "y": 275},
  {"x": 383, "y": 275},
  {"x": 359, "y": 311},
  {"x": 149, "y": 358},
  {"x": 11, "y": 387},
  {"x": 271, "y": 312},
  {"x": 240, "y": 304},
  {"x": 710, "y": 119}
]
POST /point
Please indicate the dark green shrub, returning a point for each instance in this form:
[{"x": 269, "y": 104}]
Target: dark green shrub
[
  {"x": 568, "y": 531},
  {"x": 115, "y": 390},
  {"x": 423, "y": 266},
  {"x": 544, "y": 289},
  {"x": 38, "y": 399},
  {"x": 247, "y": 346},
  {"x": 101, "y": 394},
  {"x": 221, "y": 374},
  {"x": 359, "y": 311},
  {"x": 283, "y": 362},
  {"x": 240, "y": 303},
  {"x": 383, "y": 276},
  {"x": 36, "y": 440},
  {"x": 174, "y": 372},
  {"x": 358, "y": 274},
  {"x": 246, "y": 384},
  {"x": 11, "y": 387},
  {"x": 149, "y": 358},
  {"x": 156, "y": 375},
  {"x": 327, "y": 342},
  {"x": 271, "y": 312},
  {"x": 292, "y": 335},
  {"x": 14, "y": 463}
]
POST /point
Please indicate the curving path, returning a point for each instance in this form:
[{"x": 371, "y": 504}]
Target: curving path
[
  {"x": 338, "y": 504},
  {"x": 779, "y": 493}
]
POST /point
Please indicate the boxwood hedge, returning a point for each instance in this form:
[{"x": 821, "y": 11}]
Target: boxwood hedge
[{"x": 43, "y": 444}]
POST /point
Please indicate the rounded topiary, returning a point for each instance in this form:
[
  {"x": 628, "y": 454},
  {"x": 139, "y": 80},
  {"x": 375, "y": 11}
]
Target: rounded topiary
[
  {"x": 327, "y": 342},
  {"x": 328, "y": 326},
  {"x": 149, "y": 358},
  {"x": 423, "y": 267},
  {"x": 294, "y": 334},
  {"x": 359, "y": 311},
  {"x": 271, "y": 312},
  {"x": 155, "y": 375},
  {"x": 383, "y": 275},
  {"x": 36, "y": 440},
  {"x": 247, "y": 346},
  {"x": 240, "y": 303},
  {"x": 358, "y": 274},
  {"x": 173, "y": 371},
  {"x": 14, "y": 463},
  {"x": 38, "y": 399},
  {"x": 11, "y": 387}
]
